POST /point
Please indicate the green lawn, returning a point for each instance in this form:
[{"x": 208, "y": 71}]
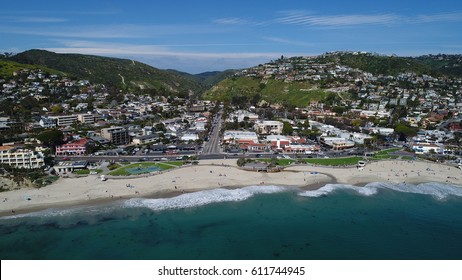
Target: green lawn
[
  {"x": 333, "y": 161},
  {"x": 122, "y": 171},
  {"x": 320, "y": 161},
  {"x": 87, "y": 171},
  {"x": 281, "y": 161},
  {"x": 385, "y": 154}
]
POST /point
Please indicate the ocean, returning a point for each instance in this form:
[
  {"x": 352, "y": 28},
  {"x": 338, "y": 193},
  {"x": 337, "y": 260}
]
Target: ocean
[{"x": 375, "y": 222}]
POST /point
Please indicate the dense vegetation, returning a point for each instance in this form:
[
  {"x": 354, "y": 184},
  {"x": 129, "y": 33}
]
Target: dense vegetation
[
  {"x": 7, "y": 68},
  {"x": 247, "y": 90},
  {"x": 377, "y": 64},
  {"x": 117, "y": 72}
]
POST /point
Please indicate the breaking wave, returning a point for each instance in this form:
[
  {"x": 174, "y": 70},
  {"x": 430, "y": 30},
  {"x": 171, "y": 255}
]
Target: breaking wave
[
  {"x": 437, "y": 190},
  {"x": 202, "y": 198}
]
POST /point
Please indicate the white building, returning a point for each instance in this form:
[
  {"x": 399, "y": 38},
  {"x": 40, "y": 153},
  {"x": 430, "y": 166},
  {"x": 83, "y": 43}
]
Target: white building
[
  {"x": 189, "y": 137},
  {"x": 21, "y": 158},
  {"x": 268, "y": 127},
  {"x": 46, "y": 122},
  {"x": 240, "y": 115},
  {"x": 336, "y": 143},
  {"x": 64, "y": 167},
  {"x": 426, "y": 148},
  {"x": 236, "y": 135},
  {"x": 382, "y": 130},
  {"x": 65, "y": 120},
  {"x": 86, "y": 118}
]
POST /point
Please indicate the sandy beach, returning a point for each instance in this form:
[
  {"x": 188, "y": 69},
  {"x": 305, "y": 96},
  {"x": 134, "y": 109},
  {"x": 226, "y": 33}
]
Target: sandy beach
[{"x": 210, "y": 174}]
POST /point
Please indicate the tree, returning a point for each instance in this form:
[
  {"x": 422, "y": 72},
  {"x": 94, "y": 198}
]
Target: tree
[
  {"x": 57, "y": 109},
  {"x": 287, "y": 129},
  {"x": 51, "y": 138},
  {"x": 405, "y": 131}
]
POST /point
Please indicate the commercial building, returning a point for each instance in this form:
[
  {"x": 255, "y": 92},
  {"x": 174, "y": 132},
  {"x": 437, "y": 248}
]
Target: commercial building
[
  {"x": 268, "y": 127},
  {"x": 74, "y": 148},
  {"x": 233, "y": 136}
]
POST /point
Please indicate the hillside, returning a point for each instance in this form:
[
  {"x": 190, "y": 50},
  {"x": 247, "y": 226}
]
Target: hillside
[
  {"x": 113, "y": 71},
  {"x": 238, "y": 90},
  {"x": 378, "y": 64},
  {"x": 7, "y": 68},
  {"x": 299, "y": 80},
  {"x": 450, "y": 65}
]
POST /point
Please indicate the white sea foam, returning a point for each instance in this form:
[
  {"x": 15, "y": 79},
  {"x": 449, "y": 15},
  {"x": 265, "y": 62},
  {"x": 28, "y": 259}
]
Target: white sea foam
[
  {"x": 437, "y": 190},
  {"x": 202, "y": 198},
  {"x": 367, "y": 191}
]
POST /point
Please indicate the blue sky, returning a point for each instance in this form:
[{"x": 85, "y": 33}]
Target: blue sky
[{"x": 198, "y": 36}]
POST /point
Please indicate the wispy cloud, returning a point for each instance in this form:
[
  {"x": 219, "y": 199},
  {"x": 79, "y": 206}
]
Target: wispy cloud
[
  {"x": 239, "y": 21},
  {"x": 304, "y": 18},
  {"x": 108, "y": 31},
  {"x": 347, "y": 20},
  {"x": 441, "y": 17},
  {"x": 108, "y": 48},
  {"x": 29, "y": 19},
  {"x": 163, "y": 56},
  {"x": 231, "y": 21},
  {"x": 287, "y": 41}
]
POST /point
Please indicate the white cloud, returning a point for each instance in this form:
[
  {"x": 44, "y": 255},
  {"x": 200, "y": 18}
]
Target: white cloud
[
  {"x": 442, "y": 17},
  {"x": 231, "y": 21},
  {"x": 30, "y": 19},
  {"x": 111, "y": 30},
  {"x": 162, "y": 56},
  {"x": 287, "y": 41},
  {"x": 303, "y": 18}
]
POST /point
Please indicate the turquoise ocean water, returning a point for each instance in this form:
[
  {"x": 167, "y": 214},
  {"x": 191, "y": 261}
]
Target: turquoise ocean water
[{"x": 378, "y": 221}]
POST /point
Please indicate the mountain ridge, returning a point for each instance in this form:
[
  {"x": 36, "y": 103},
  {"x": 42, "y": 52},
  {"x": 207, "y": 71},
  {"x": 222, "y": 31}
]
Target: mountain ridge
[{"x": 117, "y": 72}]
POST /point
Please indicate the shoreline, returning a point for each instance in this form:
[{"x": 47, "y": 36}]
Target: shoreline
[{"x": 212, "y": 174}]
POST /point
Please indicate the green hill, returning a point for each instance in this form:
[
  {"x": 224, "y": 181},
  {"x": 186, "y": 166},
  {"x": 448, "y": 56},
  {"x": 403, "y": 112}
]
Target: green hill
[
  {"x": 450, "y": 65},
  {"x": 247, "y": 89},
  {"x": 113, "y": 71},
  {"x": 378, "y": 64},
  {"x": 7, "y": 68}
]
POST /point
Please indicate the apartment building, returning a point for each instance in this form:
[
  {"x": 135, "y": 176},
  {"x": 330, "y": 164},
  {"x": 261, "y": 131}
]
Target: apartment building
[
  {"x": 65, "y": 121},
  {"x": 86, "y": 118},
  {"x": 21, "y": 158},
  {"x": 116, "y": 135}
]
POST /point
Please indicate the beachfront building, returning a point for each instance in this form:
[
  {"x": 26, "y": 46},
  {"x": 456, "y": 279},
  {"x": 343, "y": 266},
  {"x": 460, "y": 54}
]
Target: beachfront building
[
  {"x": 336, "y": 143},
  {"x": 65, "y": 167},
  {"x": 301, "y": 149},
  {"x": 21, "y": 158},
  {"x": 116, "y": 135},
  {"x": 427, "y": 148},
  {"x": 75, "y": 148}
]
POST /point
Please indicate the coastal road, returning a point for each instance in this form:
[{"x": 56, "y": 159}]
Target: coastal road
[{"x": 212, "y": 146}]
